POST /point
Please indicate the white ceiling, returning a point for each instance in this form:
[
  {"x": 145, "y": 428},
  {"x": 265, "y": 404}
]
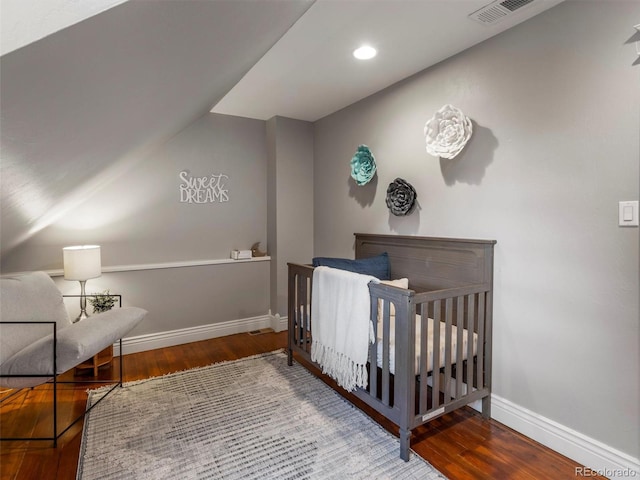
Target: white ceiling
[{"x": 310, "y": 72}]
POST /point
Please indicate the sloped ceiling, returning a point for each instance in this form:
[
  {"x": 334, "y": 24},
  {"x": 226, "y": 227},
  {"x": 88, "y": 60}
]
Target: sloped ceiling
[
  {"x": 89, "y": 97},
  {"x": 26, "y": 21}
]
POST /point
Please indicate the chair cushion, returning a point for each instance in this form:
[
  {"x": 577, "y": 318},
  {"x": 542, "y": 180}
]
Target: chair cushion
[
  {"x": 30, "y": 297},
  {"x": 76, "y": 343}
]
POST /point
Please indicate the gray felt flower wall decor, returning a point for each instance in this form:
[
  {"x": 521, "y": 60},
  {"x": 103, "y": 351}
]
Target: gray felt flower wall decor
[{"x": 401, "y": 197}]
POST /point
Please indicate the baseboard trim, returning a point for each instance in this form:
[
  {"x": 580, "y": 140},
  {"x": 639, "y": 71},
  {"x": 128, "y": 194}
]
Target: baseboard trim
[
  {"x": 151, "y": 341},
  {"x": 278, "y": 323},
  {"x": 591, "y": 453}
]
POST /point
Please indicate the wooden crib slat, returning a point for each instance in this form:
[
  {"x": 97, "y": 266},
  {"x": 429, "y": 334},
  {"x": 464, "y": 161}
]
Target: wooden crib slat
[
  {"x": 488, "y": 357},
  {"x": 309, "y": 320},
  {"x": 291, "y": 309},
  {"x": 386, "y": 335},
  {"x": 437, "y": 318},
  {"x": 424, "y": 360},
  {"x": 447, "y": 348},
  {"x": 468, "y": 368},
  {"x": 459, "y": 332},
  {"x": 373, "y": 350},
  {"x": 480, "y": 356},
  {"x": 302, "y": 300}
]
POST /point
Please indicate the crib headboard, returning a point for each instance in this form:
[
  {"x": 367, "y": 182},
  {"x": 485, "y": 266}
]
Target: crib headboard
[{"x": 432, "y": 263}]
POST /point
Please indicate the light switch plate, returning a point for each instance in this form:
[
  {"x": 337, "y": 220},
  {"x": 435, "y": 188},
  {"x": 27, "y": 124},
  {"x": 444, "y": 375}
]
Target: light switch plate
[{"x": 628, "y": 213}]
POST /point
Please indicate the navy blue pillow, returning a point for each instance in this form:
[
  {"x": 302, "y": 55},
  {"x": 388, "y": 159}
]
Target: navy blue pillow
[{"x": 375, "y": 266}]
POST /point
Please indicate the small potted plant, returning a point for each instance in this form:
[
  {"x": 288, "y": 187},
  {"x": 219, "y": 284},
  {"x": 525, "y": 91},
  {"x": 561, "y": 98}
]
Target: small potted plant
[{"x": 102, "y": 302}]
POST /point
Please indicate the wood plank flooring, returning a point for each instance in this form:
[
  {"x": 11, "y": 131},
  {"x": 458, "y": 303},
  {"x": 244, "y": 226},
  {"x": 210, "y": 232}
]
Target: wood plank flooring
[{"x": 461, "y": 445}]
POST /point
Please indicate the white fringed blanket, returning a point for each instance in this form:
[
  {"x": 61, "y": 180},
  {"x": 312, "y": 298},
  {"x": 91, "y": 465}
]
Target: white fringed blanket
[{"x": 342, "y": 328}]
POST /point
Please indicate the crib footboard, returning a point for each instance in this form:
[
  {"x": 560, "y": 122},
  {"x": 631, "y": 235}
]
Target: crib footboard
[
  {"x": 299, "y": 311},
  {"x": 456, "y": 369},
  {"x": 432, "y": 357}
]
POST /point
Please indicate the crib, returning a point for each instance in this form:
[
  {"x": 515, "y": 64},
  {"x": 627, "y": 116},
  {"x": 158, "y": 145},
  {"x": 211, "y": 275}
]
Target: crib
[{"x": 434, "y": 355}]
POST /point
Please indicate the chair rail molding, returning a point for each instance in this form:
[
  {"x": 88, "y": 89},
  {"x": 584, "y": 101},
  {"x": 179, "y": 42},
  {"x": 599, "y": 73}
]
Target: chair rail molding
[{"x": 157, "y": 266}]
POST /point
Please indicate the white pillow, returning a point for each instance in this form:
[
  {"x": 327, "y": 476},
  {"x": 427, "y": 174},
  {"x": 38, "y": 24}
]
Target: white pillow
[{"x": 400, "y": 283}]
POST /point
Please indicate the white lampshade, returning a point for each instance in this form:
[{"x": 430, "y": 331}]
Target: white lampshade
[{"x": 82, "y": 262}]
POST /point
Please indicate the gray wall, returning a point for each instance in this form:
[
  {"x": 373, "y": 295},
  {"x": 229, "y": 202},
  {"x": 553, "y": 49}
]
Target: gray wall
[
  {"x": 184, "y": 299},
  {"x": 554, "y": 103},
  {"x": 134, "y": 211},
  {"x": 137, "y": 218},
  {"x": 290, "y": 201}
]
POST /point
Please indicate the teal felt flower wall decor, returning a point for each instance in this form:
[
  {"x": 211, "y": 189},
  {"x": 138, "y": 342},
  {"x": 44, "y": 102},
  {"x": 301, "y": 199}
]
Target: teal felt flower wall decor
[{"x": 363, "y": 165}]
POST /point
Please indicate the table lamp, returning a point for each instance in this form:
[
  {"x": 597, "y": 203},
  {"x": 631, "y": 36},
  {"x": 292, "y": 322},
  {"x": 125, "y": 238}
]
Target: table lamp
[{"x": 82, "y": 263}]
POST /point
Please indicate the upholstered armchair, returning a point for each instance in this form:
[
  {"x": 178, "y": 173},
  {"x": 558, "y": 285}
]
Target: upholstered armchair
[{"x": 38, "y": 342}]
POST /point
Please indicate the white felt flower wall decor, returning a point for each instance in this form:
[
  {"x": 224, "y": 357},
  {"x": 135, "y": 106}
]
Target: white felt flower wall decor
[{"x": 447, "y": 132}]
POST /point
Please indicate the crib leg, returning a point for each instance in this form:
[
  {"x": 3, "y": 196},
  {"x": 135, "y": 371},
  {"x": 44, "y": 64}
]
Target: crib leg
[
  {"x": 405, "y": 440},
  {"x": 289, "y": 341},
  {"x": 486, "y": 407}
]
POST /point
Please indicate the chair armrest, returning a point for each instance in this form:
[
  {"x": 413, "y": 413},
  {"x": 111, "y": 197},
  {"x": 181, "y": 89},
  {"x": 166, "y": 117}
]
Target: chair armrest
[
  {"x": 7, "y": 379},
  {"x": 75, "y": 344},
  {"x": 100, "y": 330}
]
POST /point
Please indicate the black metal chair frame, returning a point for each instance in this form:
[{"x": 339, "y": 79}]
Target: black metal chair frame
[{"x": 55, "y": 382}]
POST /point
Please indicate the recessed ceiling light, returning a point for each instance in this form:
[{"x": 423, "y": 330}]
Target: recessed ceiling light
[{"x": 365, "y": 52}]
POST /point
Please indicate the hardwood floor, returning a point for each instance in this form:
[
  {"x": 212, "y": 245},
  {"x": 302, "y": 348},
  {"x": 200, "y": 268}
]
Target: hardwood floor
[{"x": 461, "y": 445}]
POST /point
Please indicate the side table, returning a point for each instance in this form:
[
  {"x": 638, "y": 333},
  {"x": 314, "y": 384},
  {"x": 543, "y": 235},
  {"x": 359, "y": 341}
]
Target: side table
[
  {"x": 105, "y": 357},
  {"x": 102, "y": 358}
]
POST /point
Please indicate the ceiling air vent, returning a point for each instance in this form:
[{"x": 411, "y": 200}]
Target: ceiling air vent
[{"x": 496, "y": 11}]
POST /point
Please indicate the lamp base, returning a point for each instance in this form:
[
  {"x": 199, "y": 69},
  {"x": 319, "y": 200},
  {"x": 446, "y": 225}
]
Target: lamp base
[
  {"x": 83, "y": 303},
  {"x": 83, "y": 315}
]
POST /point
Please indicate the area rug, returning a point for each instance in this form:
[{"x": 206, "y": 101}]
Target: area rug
[{"x": 253, "y": 418}]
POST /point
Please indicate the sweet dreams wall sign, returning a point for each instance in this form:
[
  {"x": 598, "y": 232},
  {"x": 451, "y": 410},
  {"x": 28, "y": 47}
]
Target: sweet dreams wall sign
[{"x": 206, "y": 189}]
